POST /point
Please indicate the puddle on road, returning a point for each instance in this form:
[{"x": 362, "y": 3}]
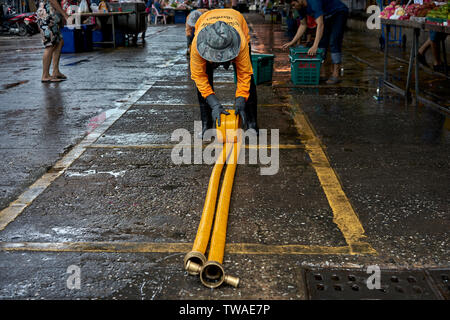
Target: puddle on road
[
  {"x": 15, "y": 84},
  {"x": 77, "y": 62},
  {"x": 96, "y": 121},
  {"x": 20, "y": 70},
  {"x": 136, "y": 138},
  {"x": 92, "y": 172}
]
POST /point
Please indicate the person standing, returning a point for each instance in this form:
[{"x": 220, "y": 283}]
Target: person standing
[
  {"x": 191, "y": 19},
  {"x": 148, "y": 10},
  {"x": 221, "y": 38},
  {"x": 331, "y": 19},
  {"x": 50, "y": 19},
  {"x": 434, "y": 42}
]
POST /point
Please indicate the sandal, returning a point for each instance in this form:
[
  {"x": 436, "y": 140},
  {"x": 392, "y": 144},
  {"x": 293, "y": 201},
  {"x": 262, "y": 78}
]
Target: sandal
[
  {"x": 422, "y": 60},
  {"x": 439, "y": 68},
  {"x": 52, "y": 80},
  {"x": 333, "y": 80},
  {"x": 60, "y": 76}
]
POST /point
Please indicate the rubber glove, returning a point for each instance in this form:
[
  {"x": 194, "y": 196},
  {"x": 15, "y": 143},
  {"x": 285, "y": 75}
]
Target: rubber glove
[
  {"x": 239, "y": 107},
  {"x": 216, "y": 107}
]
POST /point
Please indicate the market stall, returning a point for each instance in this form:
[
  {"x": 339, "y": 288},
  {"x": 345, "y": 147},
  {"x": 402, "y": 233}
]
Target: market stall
[
  {"x": 113, "y": 15},
  {"x": 113, "y": 22},
  {"x": 418, "y": 18},
  {"x": 178, "y": 12},
  {"x": 136, "y": 22}
]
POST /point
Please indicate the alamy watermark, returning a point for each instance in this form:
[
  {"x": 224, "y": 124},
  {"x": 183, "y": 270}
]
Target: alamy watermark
[
  {"x": 191, "y": 149},
  {"x": 373, "y": 22},
  {"x": 74, "y": 280},
  {"x": 374, "y": 280}
]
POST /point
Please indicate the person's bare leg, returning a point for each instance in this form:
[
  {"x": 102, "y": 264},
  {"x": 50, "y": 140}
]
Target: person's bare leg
[
  {"x": 46, "y": 61},
  {"x": 325, "y": 68},
  {"x": 56, "y": 57},
  {"x": 436, "y": 54},
  {"x": 336, "y": 68},
  {"x": 426, "y": 45}
]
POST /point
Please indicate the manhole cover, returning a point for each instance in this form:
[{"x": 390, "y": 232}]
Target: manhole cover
[
  {"x": 339, "y": 284},
  {"x": 441, "y": 277}
]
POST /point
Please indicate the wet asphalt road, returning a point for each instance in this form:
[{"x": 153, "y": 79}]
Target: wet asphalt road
[{"x": 125, "y": 214}]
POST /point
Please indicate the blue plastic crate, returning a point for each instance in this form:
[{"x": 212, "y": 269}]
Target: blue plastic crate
[
  {"x": 97, "y": 36},
  {"x": 107, "y": 36},
  {"x": 87, "y": 37},
  {"x": 120, "y": 38},
  {"x": 179, "y": 17},
  {"x": 77, "y": 39},
  {"x": 73, "y": 40}
]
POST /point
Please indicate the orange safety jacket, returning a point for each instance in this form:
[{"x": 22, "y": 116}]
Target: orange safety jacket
[
  {"x": 242, "y": 61},
  {"x": 188, "y": 27}
]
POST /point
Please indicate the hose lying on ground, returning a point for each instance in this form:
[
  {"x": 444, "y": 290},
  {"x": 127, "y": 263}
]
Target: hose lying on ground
[{"x": 211, "y": 272}]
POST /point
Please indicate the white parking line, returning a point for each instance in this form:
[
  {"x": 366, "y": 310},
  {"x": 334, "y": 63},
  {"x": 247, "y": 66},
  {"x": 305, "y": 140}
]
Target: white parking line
[{"x": 16, "y": 207}]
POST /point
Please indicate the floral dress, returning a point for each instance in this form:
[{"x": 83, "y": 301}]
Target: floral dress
[{"x": 49, "y": 22}]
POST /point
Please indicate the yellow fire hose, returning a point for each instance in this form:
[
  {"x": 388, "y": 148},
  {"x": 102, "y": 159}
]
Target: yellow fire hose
[
  {"x": 211, "y": 272},
  {"x": 197, "y": 254}
]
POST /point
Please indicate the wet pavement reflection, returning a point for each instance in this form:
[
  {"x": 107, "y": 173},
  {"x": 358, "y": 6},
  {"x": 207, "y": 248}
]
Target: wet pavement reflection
[{"x": 126, "y": 213}]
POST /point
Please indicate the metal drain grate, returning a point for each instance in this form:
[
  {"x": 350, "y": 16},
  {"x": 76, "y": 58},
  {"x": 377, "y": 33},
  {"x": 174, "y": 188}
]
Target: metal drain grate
[
  {"x": 441, "y": 277},
  {"x": 339, "y": 284}
]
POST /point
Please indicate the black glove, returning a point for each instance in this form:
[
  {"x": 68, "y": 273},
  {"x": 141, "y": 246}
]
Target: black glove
[
  {"x": 216, "y": 107},
  {"x": 239, "y": 107}
]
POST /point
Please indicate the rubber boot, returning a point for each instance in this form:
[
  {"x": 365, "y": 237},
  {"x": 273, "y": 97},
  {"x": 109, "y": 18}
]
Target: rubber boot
[{"x": 251, "y": 107}]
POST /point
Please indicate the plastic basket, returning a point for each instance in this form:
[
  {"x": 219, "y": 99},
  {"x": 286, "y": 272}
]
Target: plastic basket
[
  {"x": 305, "y": 69},
  {"x": 262, "y": 65},
  {"x": 97, "y": 36},
  {"x": 179, "y": 17},
  {"x": 87, "y": 37},
  {"x": 73, "y": 40},
  {"x": 436, "y": 21},
  {"x": 302, "y": 52}
]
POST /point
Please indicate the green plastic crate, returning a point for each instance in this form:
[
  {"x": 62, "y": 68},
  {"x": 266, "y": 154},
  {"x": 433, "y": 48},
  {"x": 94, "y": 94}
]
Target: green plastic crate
[
  {"x": 302, "y": 52},
  {"x": 305, "y": 69},
  {"x": 438, "y": 21},
  {"x": 262, "y": 65}
]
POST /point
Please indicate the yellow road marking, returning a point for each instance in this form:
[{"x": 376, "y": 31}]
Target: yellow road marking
[
  {"x": 144, "y": 103},
  {"x": 169, "y": 146},
  {"x": 343, "y": 214},
  {"x": 151, "y": 247}
]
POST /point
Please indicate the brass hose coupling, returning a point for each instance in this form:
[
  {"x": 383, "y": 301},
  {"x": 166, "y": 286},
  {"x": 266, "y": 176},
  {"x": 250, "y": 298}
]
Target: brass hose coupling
[
  {"x": 212, "y": 275},
  {"x": 194, "y": 258}
]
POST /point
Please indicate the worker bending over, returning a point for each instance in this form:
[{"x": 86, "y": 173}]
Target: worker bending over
[{"x": 221, "y": 38}]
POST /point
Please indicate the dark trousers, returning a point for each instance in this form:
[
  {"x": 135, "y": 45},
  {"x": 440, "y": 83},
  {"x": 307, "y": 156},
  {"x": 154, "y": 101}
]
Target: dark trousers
[
  {"x": 250, "y": 105},
  {"x": 333, "y": 35}
]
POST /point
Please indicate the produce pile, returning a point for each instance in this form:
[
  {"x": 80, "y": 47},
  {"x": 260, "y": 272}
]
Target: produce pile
[
  {"x": 439, "y": 14},
  {"x": 403, "y": 12}
]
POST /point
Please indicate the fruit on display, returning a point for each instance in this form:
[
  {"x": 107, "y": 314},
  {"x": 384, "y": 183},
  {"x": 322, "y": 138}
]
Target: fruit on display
[
  {"x": 388, "y": 11},
  {"x": 396, "y": 11},
  {"x": 440, "y": 12}
]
